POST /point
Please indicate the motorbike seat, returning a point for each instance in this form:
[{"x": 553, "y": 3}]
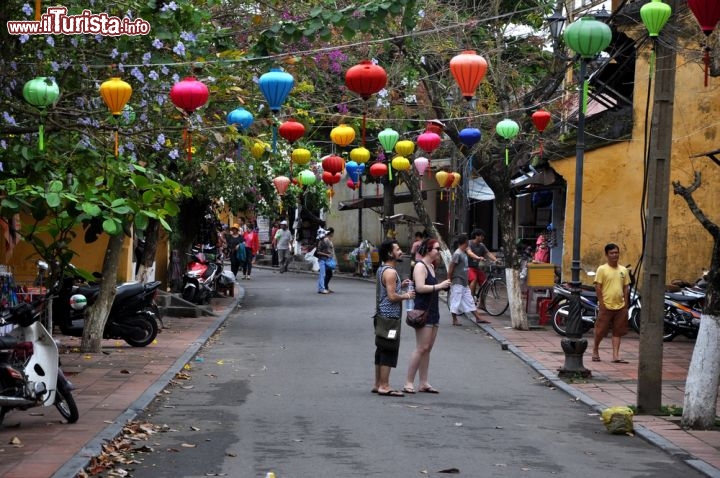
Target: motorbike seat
[
  {"x": 590, "y": 294},
  {"x": 87, "y": 290},
  {"x": 681, "y": 297},
  {"x": 128, "y": 289}
]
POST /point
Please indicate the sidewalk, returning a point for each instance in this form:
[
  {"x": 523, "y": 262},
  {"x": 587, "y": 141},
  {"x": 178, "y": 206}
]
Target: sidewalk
[{"x": 114, "y": 386}]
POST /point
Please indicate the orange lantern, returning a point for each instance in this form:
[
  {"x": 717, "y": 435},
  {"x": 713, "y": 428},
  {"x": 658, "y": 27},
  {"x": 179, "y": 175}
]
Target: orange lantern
[
  {"x": 342, "y": 135},
  {"x": 468, "y": 68},
  {"x": 115, "y": 93}
]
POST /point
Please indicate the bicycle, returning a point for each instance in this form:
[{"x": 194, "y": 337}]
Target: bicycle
[{"x": 492, "y": 295}]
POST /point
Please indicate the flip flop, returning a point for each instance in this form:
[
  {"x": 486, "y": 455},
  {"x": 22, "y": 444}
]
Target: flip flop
[
  {"x": 374, "y": 390},
  {"x": 428, "y": 390},
  {"x": 408, "y": 390},
  {"x": 457, "y": 324},
  {"x": 392, "y": 393},
  {"x": 482, "y": 321},
  {"x": 620, "y": 361},
  {"x": 596, "y": 359}
]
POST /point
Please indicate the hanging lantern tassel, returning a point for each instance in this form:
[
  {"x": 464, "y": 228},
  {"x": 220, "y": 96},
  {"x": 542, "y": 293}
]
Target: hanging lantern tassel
[
  {"x": 585, "y": 90},
  {"x": 117, "y": 141},
  {"x": 707, "y": 62},
  {"x": 541, "y": 146},
  {"x": 41, "y": 136},
  {"x": 652, "y": 58},
  {"x": 507, "y": 155},
  {"x": 274, "y": 137}
]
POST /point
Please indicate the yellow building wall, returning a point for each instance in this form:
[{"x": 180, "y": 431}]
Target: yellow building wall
[{"x": 613, "y": 181}]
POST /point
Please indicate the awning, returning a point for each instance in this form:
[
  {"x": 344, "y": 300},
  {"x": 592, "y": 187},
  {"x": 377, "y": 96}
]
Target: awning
[
  {"x": 480, "y": 191},
  {"x": 375, "y": 201}
]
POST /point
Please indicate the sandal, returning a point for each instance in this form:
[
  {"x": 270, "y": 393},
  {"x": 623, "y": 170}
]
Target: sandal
[
  {"x": 409, "y": 390},
  {"x": 428, "y": 390},
  {"x": 596, "y": 359},
  {"x": 391, "y": 393}
]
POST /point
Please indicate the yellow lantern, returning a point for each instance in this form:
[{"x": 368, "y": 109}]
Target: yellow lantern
[
  {"x": 441, "y": 178},
  {"x": 258, "y": 149},
  {"x": 404, "y": 148},
  {"x": 400, "y": 163},
  {"x": 342, "y": 135},
  {"x": 300, "y": 156},
  {"x": 360, "y": 155},
  {"x": 115, "y": 93}
]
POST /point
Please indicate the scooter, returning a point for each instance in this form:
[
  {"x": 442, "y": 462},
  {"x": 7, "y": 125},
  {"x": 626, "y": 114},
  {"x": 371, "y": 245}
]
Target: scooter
[
  {"x": 200, "y": 281},
  {"x": 682, "y": 315},
  {"x": 133, "y": 315},
  {"x": 30, "y": 374}
]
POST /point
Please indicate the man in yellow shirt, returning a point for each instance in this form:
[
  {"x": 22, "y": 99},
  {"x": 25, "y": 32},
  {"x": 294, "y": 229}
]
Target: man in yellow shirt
[{"x": 612, "y": 285}]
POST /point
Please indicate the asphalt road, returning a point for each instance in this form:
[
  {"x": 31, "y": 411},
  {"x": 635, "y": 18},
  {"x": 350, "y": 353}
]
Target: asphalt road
[{"x": 285, "y": 385}]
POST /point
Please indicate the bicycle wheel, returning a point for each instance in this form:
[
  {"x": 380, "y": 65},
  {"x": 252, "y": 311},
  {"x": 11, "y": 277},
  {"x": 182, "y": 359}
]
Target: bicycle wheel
[{"x": 494, "y": 298}]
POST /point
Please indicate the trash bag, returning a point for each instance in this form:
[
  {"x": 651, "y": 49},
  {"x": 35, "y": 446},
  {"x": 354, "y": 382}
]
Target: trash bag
[{"x": 618, "y": 420}]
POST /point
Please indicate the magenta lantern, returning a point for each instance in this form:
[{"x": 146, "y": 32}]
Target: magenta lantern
[{"x": 189, "y": 95}]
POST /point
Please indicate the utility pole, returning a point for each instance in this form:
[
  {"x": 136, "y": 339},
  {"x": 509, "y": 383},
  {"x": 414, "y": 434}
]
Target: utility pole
[{"x": 649, "y": 389}]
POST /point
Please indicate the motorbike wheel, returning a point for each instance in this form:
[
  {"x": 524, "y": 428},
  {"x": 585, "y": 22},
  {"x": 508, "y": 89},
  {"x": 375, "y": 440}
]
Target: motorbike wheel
[
  {"x": 668, "y": 333},
  {"x": 558, "y": 322},
  {"x": 145, "y": 329},
  {"x": 65, "y": 403}
]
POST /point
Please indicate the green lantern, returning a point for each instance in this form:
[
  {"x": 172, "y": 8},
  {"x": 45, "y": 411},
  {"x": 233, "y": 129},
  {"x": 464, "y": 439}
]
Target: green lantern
[
  {"x": 508, "y": 129},
  {"x": 587, "y": 37},
  {"x": 388, "y": 137},
  {"x": 655, "y": 15},
  {"x": 306, "y": 178},
  {"x": 41, "y": 92}
]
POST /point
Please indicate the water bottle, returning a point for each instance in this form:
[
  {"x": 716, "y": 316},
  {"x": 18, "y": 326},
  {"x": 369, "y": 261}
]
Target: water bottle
[{"x": 410, "y": 303}]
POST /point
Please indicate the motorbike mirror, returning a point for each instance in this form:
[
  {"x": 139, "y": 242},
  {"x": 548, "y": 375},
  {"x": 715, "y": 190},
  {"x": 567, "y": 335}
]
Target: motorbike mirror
[{"x": 42, "y": 265}]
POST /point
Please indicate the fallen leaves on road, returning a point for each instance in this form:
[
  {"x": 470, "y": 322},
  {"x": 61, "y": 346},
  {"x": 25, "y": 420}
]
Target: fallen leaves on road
[
  {"x": 121, "y": 451},
  {"x": 15, "y": 441}
]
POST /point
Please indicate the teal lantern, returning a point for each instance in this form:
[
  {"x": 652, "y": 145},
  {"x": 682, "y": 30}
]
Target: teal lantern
[
  {"x": 654, "y": 15},
  {"x": 587, "y": 37},
  {"x": 508, "y": 129},
  {"x": 41, "y": 92}
]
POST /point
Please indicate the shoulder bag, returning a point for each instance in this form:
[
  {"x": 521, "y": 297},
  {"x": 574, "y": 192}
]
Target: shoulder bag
[{"x": 417, "y": 318}]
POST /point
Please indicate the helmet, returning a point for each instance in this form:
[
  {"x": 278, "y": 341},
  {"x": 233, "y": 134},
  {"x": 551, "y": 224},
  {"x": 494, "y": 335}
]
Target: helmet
[{"x": 78, "y": 302}]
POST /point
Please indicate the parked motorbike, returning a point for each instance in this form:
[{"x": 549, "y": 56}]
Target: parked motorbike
[
  {"x": 133, "y": 315},
  {"x": 200, "y": 281},
  {"x": 30, "y": 374},
  {"x": 682, "y": 315}
]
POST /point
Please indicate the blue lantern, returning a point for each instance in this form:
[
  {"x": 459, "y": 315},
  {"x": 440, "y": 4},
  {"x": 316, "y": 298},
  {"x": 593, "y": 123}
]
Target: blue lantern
[
  {"x": 353, "y": 170},
  {"x": 470, "y": 136},
  {"x": 275, "y": 86},
  {"x": 240, "y": 118}
]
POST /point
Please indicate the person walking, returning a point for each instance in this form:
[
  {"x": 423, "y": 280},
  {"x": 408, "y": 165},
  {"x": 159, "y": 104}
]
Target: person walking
[
  {"x": 234, "y": 240},
  {"x": 388, "y": 302},
  {"x": 273, "y": 244},
  {"x": 252, "y": 246},
  {"x": 283, "y": 242},
  {"x": 326, "y": 257},
  {"x": 461, "y": 300},
  {"x": 426, "y": 289},
  {"x": 612, "y": 285}
]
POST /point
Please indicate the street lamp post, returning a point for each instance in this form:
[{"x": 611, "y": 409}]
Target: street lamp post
[{"x": 587, "y": 37}]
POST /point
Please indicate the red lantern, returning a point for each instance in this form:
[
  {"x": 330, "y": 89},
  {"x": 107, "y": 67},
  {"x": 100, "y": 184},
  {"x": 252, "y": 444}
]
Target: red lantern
[
  {"x": 707, "y": 13},
  {"x": 331, "y": 178},
  {"x": 540, "y": 119},
  {"x": 468, "y": 68},
  {"x": 365, "y": 79},
  {"x": 291, "y": 130},
  {"x": 333, "y": 164},
  {"x": 352, "y": 185},
  {"x": 378, "y": 169},
  {"x": 429, "y": 142},
  {"x": 189, "y": 95}
]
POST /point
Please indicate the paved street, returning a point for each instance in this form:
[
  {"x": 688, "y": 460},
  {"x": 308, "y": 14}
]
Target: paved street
[{"x": 284, "y": 386}]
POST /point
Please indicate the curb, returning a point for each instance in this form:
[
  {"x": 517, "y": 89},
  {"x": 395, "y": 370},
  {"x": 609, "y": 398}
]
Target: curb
[
  {"x": 93, "y": 448},
  {"x": 644, "y": 433}
]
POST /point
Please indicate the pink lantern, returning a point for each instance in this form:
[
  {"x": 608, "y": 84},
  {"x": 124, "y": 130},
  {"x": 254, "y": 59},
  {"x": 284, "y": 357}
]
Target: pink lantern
[
  {"x": 421, "y": 164},
  {"x": 429, "y": 141},
  {"x": 281, "y": 184},
  {"x": 189, "y": 95}
]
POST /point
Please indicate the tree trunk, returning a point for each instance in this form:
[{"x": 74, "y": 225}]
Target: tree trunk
[
  {"x": 151, "y": 242},
  {"x": 518, "y": 314},
  {"x": 701, "y": 388},
  {"x": 97, "y": 314}
]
